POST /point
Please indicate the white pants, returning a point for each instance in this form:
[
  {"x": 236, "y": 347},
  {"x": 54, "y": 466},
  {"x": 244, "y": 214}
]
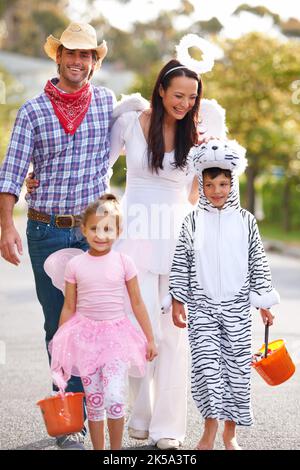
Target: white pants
[{"x": 158, "y": 401}]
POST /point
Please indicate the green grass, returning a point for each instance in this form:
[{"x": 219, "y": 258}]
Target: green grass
[{"x": 275, "y": 232}]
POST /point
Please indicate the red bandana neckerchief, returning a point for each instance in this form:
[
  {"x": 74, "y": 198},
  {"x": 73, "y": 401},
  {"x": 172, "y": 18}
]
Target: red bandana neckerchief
[{"x": 70, "y": 108}]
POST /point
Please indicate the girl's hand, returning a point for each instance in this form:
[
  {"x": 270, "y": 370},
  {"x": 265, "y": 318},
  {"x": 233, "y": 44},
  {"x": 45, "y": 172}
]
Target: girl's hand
[
  {"x": 178, "y": 314},
  {"x": 266, "y": 316},
  {"x": 31, "y": 183},
  {"x": 151, "y": 351}
]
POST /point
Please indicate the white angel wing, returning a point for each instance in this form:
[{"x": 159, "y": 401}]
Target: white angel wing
[
  {"x": 212, "y": 119},
  {"x": 133, "y": 102}
]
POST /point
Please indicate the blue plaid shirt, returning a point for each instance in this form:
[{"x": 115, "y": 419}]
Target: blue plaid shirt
[{"x": 71, "y": 169}]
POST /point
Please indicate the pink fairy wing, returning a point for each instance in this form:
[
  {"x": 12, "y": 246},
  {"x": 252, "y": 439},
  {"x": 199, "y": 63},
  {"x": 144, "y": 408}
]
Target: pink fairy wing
[{"x": 55, "y": 265}]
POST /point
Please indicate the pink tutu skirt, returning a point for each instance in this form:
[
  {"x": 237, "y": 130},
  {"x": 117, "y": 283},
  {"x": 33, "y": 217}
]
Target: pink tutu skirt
[{"x": 81, "y": 345}]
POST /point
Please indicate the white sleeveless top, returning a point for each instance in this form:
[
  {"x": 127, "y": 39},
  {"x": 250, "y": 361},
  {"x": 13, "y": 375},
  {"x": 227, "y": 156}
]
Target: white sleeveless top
[{"x": 154, "y": 204}]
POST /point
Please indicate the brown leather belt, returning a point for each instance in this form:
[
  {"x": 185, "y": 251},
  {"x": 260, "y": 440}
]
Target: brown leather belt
[{"x": 61, "y": 221}]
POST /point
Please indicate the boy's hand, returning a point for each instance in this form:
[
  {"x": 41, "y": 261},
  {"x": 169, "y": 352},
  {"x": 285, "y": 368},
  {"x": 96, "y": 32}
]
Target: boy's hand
[
  {"x": 151, "y": 351},
  {"x": 266, "y": 316},
  {"x": 178, "y": 314},
  {"x": 10, "y": 240}
]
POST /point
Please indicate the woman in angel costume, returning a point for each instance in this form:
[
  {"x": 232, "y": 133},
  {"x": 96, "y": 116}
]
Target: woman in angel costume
[{"x": 157, "y": 140}]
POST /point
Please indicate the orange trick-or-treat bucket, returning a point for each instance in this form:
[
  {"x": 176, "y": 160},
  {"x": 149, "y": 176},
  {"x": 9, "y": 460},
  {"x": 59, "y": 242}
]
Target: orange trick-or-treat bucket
[
  {"x": 63, "y": 413},
  {"x": 273, "y": 362}
]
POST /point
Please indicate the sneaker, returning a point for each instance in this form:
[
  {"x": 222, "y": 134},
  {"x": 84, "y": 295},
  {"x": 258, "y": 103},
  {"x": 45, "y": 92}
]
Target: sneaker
[
  {"x": 73, "y": 441},
  {"x": 138, "y": 433},
  {"x": 166, "y": 443}
]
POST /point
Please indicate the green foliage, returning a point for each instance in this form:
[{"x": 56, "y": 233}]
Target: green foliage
[
  {"x": 258, "y": 10},
  {"x": 273, "y": 202},
  {"x": 275, "y": 232},
  {"x": 253, "y": 83},
  {"x": 186, "y": 8},
  {"x": 144, "y": 83},
  {"x": 7, "y": 110},
  {"x": 119, "y": 175},
  {"x": 212, "y": 26},
  {"x": 4, "y": 5},
  {"x": 50, "y": 21},
  {"x": 271, "y": 189},
  {"x": 29, "y": 23},
  {"x": 7, "y": 116},
  {"x": 291, "y": 27}
]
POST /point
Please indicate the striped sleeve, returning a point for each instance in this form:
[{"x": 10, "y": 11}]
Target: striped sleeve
[
  {"x": 19, "y": 153},
  {"x": 181, "y": 267},
  {"x": 262, "y": 292}
]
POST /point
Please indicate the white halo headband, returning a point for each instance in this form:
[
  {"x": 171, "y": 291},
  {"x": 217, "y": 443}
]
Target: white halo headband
[
  {"x": 175, "y": 68},
  {"x": 208, "y": 53}
]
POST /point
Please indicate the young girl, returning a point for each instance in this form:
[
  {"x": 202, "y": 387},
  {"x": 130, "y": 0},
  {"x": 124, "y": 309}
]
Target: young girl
[
  {"x": 96, "y": 341},
  {"x": 220, "y": 269}
]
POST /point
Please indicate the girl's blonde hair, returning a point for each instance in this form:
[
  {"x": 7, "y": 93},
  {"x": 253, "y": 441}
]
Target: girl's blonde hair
[{"x": 106, "y": 205}]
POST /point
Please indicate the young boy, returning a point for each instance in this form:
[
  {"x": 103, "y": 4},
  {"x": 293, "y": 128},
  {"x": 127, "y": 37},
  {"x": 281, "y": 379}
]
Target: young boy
[{"x": 220, "y": 269}]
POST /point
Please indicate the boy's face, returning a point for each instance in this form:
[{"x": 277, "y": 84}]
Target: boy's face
[{"x": 217, "y": 189}]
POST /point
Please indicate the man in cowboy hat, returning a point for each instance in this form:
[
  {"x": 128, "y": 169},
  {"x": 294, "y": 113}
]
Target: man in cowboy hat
[{"x": 64, "y": 133}]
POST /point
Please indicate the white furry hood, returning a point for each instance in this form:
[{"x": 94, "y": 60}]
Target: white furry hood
[
  {"x": 212, "y": 119},
  {"x": 226, "y": 154}
]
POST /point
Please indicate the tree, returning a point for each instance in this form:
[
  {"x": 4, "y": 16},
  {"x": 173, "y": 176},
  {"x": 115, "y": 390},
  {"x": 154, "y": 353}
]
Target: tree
[
  {"x": 212, "y": 26},
  {"x": 29, "y": 23},
  {"x": 186, "y": 8},
  {"x": 253, "y": 83},
  {"x": 291, "y": 27},
  {"x": 9, "y": 87},
  {"x": 258, "y": 10}
]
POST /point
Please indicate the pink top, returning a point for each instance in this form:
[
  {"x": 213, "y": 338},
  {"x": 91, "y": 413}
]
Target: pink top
[{"x": 100, "y": 283}]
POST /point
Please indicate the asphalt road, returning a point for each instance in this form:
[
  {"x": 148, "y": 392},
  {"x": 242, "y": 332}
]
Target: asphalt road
[{"x": 25, "y": 378}]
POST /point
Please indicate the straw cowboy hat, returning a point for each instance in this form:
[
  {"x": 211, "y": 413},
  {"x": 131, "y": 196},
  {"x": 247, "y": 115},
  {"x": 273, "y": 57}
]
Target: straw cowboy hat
[{"x": 76, "y": 36}]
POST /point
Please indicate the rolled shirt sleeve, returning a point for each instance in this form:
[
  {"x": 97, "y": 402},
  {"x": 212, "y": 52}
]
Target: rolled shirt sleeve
[{"x": 18, "y": 157}]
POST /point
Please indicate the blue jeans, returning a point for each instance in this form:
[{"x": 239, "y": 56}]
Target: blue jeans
[{"x": 44, "y": 239}]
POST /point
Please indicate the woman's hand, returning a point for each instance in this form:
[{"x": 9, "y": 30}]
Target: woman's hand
[
  {"x": 194, "y": 192},
  {"x": 151, "y": 351},
  {"x": 178, "y": 314},
  {"x": 31, "y": 183},
  {"x": 204, "y": 140},
  {"x": 266, "y": 316}
]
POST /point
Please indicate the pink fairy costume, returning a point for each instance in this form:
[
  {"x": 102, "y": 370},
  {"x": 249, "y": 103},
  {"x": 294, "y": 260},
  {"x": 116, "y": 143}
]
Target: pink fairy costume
[{"x": 99, "y": 343}]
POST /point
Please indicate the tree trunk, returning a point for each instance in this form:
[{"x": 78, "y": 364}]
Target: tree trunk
[
  {"x": 286, "y": 205},
  {"x": 250, "y": 191}
]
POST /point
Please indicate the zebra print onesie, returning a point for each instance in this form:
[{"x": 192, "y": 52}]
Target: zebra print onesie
[{"x": 219, "y": 269}]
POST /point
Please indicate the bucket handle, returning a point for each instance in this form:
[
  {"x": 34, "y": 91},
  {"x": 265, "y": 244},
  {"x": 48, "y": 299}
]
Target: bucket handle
[{"x": 266, "y": 339}]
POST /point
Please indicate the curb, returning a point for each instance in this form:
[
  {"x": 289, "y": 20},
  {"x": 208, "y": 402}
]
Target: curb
[{"x": 276, "y": 246}]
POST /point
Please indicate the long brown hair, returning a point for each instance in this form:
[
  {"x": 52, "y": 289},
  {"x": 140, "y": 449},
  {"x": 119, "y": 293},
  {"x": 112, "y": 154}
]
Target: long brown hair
[{"x": 186, "y": 128}]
